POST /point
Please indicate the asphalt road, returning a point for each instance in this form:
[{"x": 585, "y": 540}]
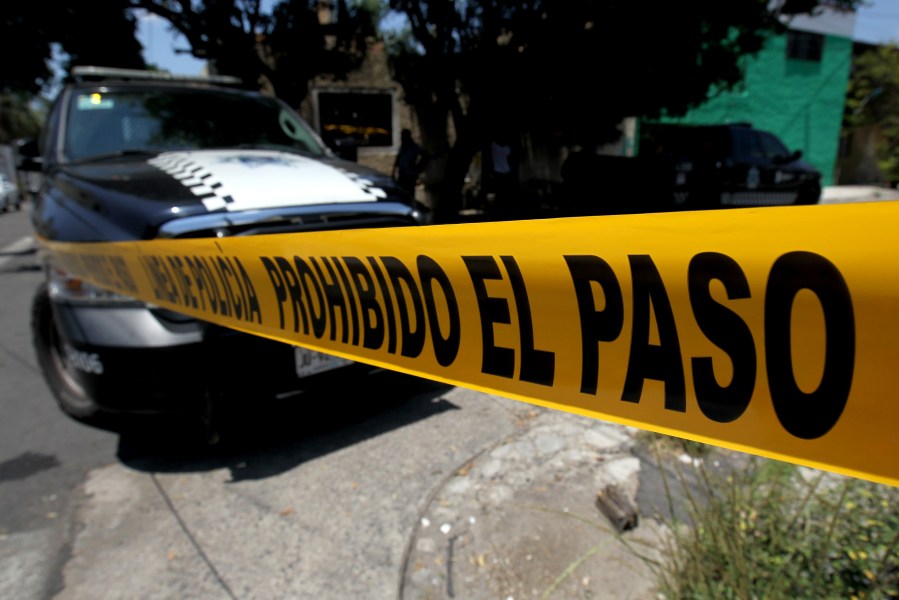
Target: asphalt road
[{"x": 44, "y": 456}]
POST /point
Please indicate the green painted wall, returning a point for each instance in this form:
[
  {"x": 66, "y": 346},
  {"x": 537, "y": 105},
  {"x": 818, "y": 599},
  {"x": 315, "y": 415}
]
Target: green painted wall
[{"x": 800, "y": 101}]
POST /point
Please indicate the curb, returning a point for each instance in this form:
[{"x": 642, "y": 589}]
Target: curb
[{"x": 520, "y": 519}]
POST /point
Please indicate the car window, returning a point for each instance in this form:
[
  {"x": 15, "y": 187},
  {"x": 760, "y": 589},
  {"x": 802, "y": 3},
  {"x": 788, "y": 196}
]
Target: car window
[
  {"x": 705, "y": 144},
  {"x": 101, "y": 122},
  {"x": 773, "y": 146},
  {"x": 680, "y": 142},
  {"x": 747, "y": 146}
]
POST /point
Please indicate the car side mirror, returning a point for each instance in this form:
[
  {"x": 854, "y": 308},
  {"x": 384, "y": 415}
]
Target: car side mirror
[
  {"x": 788, "y": 158},
  {"x": 29, "y": 155}
]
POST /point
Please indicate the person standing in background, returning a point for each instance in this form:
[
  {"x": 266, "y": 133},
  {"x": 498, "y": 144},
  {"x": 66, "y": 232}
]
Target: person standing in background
[
  {"x": 409, "y": 163},
  {"x": 503, "y": 172}
]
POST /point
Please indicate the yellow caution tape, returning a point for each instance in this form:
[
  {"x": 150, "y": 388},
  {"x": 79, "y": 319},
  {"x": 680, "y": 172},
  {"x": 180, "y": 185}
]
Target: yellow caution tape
[{"x": 773, "y": 331}]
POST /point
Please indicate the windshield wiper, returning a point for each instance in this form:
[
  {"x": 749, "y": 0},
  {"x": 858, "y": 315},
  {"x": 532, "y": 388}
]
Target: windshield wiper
[
  {"x": 116, "y": 154},
  {"x": 305, "y": 150}
]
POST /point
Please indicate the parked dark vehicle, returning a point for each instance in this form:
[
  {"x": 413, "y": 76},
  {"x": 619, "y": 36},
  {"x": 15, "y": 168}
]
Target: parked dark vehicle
[
  {"x": 719, "y": 166},
  {"x": 130, "y": 155},
  {"x": 690, "y": 167}
]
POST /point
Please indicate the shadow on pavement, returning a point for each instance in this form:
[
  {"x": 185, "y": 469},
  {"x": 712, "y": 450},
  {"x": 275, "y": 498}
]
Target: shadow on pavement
[{"x": 262, "y": 438}]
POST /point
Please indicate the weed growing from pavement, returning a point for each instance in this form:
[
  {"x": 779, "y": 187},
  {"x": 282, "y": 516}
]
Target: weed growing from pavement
[
  {"x": 768, "y": 529},
  {"x": 760, "y": 528}
]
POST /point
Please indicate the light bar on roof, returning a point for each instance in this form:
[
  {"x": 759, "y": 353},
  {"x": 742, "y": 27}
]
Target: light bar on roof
[{"x": 88, "y": 72}]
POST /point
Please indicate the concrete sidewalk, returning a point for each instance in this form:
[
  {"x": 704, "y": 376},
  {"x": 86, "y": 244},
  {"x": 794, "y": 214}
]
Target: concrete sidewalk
[
  {"x": 453, "y": 517},
  {"x": 838, "y": 194},
  {"x": 521, "y": 521}
]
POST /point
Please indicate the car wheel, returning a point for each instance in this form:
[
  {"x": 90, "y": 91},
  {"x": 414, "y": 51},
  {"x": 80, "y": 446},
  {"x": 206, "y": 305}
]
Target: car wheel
[{"x": 64, "y": 380}]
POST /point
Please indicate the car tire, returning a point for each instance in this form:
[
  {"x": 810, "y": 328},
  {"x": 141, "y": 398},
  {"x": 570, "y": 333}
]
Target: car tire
[{"x": 62, "y": 378}]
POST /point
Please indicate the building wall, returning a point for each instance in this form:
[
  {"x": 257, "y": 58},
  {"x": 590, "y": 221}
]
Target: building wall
[
  {"x": 373, "y": 76},
  {"x": 800, "y": 101}
]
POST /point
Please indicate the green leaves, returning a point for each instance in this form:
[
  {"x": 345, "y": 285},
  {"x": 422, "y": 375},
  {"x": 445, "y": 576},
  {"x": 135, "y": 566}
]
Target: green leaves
[
  {"x": 772, "y": 530},
  {"x": 873, "y": 101}
]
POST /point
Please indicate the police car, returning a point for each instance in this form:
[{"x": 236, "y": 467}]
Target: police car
[{"x": 133, "y": 155}]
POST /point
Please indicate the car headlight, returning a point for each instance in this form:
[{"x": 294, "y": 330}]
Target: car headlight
[{"x": 65, "y": 287}]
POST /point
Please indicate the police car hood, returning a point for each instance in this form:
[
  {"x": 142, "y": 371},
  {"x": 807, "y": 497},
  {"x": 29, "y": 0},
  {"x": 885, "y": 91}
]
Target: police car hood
[
  {"x": 232, "y": 180},
  {"x": 140, "y": 192},
  {"x": 253, "y": 179}
]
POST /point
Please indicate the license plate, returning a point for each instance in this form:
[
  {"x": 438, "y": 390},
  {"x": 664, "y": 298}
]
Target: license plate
[{"x": 310, "y": 362}]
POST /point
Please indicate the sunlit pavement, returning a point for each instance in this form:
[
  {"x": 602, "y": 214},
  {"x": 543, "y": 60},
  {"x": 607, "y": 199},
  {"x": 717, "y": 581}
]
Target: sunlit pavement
[{"x": 839, "y": 194}]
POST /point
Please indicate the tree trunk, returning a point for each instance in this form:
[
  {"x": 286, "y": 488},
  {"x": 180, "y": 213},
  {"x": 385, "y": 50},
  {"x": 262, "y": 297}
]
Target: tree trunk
[
  {"x": 458, "y": 153},
  {"x": 449, "y": 192}
]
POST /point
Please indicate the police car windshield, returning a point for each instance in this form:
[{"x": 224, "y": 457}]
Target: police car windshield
[{"x": 104, "y": 123}]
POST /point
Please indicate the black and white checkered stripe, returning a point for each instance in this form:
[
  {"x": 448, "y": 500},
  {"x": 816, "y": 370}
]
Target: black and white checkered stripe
[
  {"x": 367, "y": 185},
  {"x": 194, "y": 177}
]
